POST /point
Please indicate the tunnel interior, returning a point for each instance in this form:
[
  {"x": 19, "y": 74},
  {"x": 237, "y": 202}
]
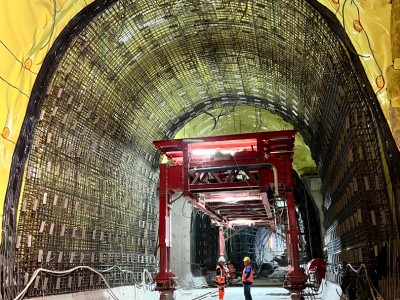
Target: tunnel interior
[{"x": 126, "y": 73}]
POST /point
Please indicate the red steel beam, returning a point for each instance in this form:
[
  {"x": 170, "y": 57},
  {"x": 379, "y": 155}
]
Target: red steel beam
[{"x": 252, "y": 152}]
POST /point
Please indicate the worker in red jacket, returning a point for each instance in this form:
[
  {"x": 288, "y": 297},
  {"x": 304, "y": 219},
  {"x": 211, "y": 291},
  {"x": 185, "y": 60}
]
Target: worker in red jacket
[
  {"x": 221, "y": 277},
  {"x": 232, "y": 271},
  {"x": 247, "y": 277}
]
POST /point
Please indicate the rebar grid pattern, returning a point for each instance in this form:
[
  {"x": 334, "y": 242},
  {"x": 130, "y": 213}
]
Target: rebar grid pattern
[
  {"x": 252, "y": 53},
  {"x": 137, "y": 73},
  {"x": 358, "y": 219},
  {"x": 88, "y": 200}
]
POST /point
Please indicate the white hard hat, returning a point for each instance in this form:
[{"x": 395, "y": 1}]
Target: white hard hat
[{"x": 221, "y": 258}]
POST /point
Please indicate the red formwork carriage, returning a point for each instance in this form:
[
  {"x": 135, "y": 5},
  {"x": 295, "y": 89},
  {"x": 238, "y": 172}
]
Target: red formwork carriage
[{"x": 218, "y": 175}]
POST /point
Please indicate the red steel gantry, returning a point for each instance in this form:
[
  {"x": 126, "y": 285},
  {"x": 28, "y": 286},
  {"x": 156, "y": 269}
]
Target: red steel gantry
[{"x": 234, "y": 179}]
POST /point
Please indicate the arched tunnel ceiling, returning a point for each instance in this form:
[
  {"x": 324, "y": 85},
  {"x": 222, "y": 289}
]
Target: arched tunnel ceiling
[
  {"x": 234, "y": 120},
  {"x": 251, "y": 51},
  {"x": 157, "y": 65}
]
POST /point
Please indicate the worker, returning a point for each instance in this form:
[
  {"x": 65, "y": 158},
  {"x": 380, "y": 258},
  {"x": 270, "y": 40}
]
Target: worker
[
  {"x": 231, "y": 270},
  {"x": 326, "y": 253},
  {"x": 247, "y": 277},
  {"x": 221, "y": 277}
]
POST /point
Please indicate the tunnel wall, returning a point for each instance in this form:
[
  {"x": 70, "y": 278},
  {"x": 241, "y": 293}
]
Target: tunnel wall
[
  {"x": 88, "y": 199},
  {"x": 90, "y": 178}
]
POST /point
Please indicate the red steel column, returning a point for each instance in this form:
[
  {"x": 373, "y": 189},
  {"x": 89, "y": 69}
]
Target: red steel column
[
  {"x": 296, "y": 278},
  {"x": 221, "y": 241},
  {"x": 162, "y": 231},
  {"x": 165, "y": 278}
]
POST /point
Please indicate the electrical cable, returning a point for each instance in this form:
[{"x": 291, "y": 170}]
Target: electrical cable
[
  {"x": 366, "y": 35},
  {"x": 37, "y": 271},
  {"x": 344, "y": 27},
  {"x": 12, "y": 53},
  {"x": 211, "y": 294},
  {"x": 98, "y": 272},
  {"x": 214, "y": 119},
  {"x": 372, "y": 289},
  {"x": 14, "y": 87}
]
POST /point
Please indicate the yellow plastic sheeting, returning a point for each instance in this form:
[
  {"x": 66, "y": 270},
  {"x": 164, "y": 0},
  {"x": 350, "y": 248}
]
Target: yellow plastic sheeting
[
  {"x": 245, "y": 119},
  {"x": 367, "y": 24},
  {"x": 28, "y": 28}
]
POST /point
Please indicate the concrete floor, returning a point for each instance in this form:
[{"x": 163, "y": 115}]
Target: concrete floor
[
  {"x": 234, "y": 293},
  {"x": 329, "y": 291}
]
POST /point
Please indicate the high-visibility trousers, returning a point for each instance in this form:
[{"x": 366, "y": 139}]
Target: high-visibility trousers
[{"x": 221, "y": 287}]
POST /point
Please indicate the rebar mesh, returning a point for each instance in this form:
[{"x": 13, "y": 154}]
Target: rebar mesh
[
  {"x": 357, "y": 212},
  {"x": 88, "y": 200},
  {"x": 137, "y": 73}
]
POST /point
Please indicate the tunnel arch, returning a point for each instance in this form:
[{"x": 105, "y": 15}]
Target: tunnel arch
[{"x": 128, "y": 118}]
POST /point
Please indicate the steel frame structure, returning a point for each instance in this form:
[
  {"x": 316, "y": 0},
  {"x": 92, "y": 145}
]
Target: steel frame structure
[{"x": 234, "y": 179}]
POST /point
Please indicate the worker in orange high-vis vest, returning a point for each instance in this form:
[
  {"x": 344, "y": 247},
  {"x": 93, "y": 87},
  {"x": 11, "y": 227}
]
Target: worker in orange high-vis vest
[
  {"x": 247, "y": 278},
  {"x": 221, "y": 276}
]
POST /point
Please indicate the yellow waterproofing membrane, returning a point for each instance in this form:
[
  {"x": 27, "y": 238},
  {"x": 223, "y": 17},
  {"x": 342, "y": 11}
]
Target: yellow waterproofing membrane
[
  {"x": 374, "y": 29},
  {"x": 245, "y": 119},
  {"x": 393, "y": 71},
  {"x": 28, "y": 29}
]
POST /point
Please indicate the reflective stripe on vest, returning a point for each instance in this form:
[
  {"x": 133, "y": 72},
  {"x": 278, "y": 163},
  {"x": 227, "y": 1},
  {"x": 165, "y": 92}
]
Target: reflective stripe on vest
[
  {"x": 250, "y": 278},
  {"x": 222, "y": 270}
]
